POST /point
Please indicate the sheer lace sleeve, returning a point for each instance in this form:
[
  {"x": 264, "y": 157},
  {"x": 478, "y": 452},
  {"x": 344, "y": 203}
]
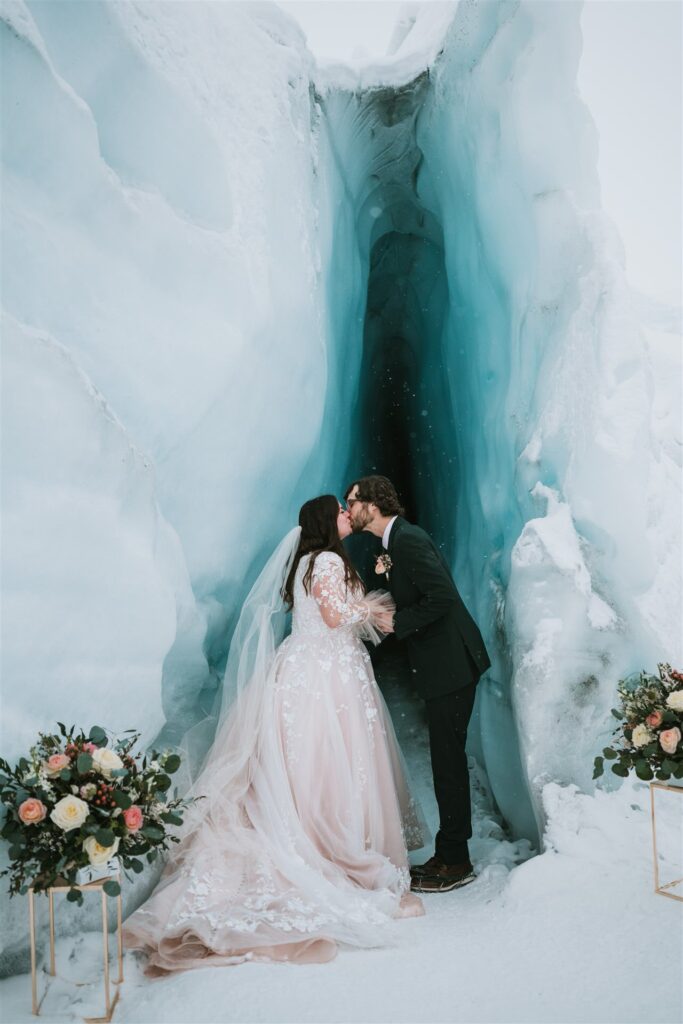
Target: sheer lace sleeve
[{"x": 338, "y": 607}]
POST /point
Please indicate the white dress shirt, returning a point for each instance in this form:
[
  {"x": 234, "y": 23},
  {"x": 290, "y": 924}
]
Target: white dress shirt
[{"x": 387, "y": 531}]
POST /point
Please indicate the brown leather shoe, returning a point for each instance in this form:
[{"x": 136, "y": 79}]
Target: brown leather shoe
[
  {"x": 443, "y": 877},
  {"x": 417, "y": 870}
]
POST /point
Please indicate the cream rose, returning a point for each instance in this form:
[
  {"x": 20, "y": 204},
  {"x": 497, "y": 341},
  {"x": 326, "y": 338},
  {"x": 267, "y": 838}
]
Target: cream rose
[
  {"x": 106, "y": 761},
  {"x": 70, "y": 812},
  {"x": 98, "y": 854},
  {"x": 641, "y": 736},
  {"x": 675, "y": 700},
  {"x": 669, "y": 740},
  {"x": 57, "y": 763}
]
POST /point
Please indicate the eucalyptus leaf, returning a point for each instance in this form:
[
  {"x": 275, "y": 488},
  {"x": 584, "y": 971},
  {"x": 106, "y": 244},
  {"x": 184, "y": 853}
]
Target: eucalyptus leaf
[
  {"x": 152, "y": 832},
  {"x": 172, "y": 764}
]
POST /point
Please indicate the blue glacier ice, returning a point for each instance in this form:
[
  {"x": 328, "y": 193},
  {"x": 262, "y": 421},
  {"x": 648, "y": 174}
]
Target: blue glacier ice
[{"x": 233, "y": 279}]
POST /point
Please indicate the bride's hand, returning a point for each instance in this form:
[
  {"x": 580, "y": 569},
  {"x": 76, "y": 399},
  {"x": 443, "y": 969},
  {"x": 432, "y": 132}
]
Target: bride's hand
[{"x": 384, "y": 621}]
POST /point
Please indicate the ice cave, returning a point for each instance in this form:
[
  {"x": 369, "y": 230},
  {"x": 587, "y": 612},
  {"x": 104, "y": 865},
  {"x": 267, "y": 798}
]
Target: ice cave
[{"x": 235, "y": 278}]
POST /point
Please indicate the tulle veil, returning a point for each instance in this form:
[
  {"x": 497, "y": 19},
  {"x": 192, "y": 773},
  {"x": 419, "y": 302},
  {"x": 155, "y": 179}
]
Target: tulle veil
[{"x": 225, "y": 773}]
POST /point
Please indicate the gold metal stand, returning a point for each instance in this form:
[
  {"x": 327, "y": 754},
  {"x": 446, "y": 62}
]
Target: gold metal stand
[
  {"x": 660, "y": 888},
  {"x": 61, "y": 886}
]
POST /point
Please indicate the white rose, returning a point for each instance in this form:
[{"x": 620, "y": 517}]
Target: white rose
[
  {"x": 106, "y": 761},
  {"x": 97, "y": 853},
  {"x": 641, "y": 736},
  {"x": 69, "y": 812},
  {"x": 675, "y": 700}
]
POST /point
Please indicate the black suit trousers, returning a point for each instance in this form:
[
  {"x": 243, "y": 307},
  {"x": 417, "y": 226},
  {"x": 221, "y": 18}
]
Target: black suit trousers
[{"x": 448, "y": 717}]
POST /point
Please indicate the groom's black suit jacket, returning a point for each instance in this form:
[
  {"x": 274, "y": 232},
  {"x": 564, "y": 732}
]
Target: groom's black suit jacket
[{"x": 445, "y": 647}]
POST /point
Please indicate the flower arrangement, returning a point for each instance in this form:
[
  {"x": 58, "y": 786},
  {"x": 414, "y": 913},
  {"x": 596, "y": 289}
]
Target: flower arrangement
[
  {"x": 651, "y": 727},
  {"x": 80, "y": 801}
]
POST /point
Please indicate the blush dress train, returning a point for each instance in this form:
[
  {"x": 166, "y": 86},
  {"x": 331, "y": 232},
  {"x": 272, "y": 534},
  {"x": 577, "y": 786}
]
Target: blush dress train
[{"x": 305, "y": 846}]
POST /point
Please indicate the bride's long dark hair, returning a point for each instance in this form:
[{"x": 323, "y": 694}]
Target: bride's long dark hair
[{"x": 318, "y": 522}]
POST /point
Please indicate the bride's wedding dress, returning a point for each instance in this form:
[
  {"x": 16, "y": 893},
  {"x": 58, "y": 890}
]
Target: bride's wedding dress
[{"x": 302, "y": 843}]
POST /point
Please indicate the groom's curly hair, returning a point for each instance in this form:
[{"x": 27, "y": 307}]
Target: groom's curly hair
[{"x": 380, "y": 491}]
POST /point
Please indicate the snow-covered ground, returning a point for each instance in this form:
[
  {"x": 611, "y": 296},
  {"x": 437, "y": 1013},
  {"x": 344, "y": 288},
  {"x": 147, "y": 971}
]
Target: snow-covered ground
[{"x": 575, "y": 934}]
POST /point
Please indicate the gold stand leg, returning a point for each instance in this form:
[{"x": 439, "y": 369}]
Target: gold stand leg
[
  {"x": 61, "y": 886},
  {"x": 51, "y": 901},
  {"x": 32, "y": 937},
  {"x": 109, "y": 1003},
  {"x": 660, "y": 889},
  {"x": 105, "y": 948},
  {"x": 654, "y": 837},
  {"x": 119, "y": 934}
]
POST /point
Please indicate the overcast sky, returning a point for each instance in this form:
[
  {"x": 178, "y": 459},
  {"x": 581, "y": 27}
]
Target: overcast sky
[{"x": 346, "y": 29}]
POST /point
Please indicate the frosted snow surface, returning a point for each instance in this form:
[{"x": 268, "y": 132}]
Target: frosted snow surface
[{"x": 539, "y": 944}]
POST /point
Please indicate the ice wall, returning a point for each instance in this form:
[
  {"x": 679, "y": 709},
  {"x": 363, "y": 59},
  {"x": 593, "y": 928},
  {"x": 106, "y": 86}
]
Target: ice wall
[
  {"x": 170, "y": 399},
  {"x": 508, "y": 381},
  {"x": 568, "y": 486}
]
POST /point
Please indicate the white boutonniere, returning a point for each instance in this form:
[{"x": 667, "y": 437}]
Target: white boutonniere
[{"x": 383, "y": 565}]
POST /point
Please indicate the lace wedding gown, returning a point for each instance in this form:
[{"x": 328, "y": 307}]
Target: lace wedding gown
[{"x": 306, "y": 846}]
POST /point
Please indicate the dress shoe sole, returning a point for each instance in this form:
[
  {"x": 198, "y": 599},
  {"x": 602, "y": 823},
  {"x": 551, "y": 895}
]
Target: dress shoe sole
[
  {"x": 420, "y": 871},
  {"x": 439, "y": 884}
]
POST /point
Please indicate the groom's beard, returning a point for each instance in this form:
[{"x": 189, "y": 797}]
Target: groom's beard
[{"x": 361, "y": 520}]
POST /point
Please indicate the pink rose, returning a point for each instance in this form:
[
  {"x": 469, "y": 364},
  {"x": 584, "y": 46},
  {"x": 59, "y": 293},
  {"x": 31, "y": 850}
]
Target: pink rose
[
  {"x": 669, "y": 739},
  {"x": 89, "y": 748},
  {"x": 32, "y": 811},
  {"x": 56, "y": 763},
  {"x": 133, "y": 818},
  {"x": 654, "y": 720}
]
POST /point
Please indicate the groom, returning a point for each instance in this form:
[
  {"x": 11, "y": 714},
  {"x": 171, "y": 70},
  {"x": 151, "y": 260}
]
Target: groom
[{"x": 447, "y": 656}]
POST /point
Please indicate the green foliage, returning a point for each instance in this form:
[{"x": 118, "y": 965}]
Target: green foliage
[
  {"x": 649, "y": 725},
  {"x": 40, "y": 851}
]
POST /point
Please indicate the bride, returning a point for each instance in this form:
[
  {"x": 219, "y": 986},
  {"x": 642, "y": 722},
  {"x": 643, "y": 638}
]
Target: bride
[{"x": 300, "y": 840}]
